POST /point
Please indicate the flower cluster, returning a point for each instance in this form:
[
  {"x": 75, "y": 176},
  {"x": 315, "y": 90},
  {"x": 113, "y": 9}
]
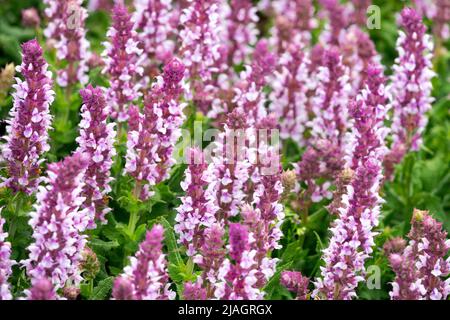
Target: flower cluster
[
  {"x": 294, "y": 281},
  {"x": 359, "y": 12},
  {"x": 66, "y": 28},
  {"x": 146, "y": 277},
  {"x": 358, "y": 52},
  {"x": 5, "y": 263},
  {"x": 248, "y": 96},
  {"x": 96, "y": 139},
  {"x": 197, "y": 210},
  {"x": 338, "y": 20},
  {"x": 58, "y": 223},
  {"x": 201, "y": 48},
  {"x": 289, "y": 95},
  {"x": 237, "y": 277},
  {"x": 411, "y": 88},
  {"x": 42, "y": 289},
  {"x": 352, "y": 232},
  {"x": 153, "y": 134},
  {"x": 123, "y": 59},
  {"x": 155, "y": 23},
  {"x": 328, "y": 144},
  {"x": 27, "y": 132},
  {"x": 422, "y": 266},
  {"x": 241, "y": 30},
  {"x": 293, "y": 23}
]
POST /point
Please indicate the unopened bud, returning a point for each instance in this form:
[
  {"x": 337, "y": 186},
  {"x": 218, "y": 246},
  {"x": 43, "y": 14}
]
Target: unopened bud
[
  {"x": 71, "y": 292},
  {"x": 30, "y": 18},
  {"x": 89, "y": 264},
  {"x": 288, "y": 179}
]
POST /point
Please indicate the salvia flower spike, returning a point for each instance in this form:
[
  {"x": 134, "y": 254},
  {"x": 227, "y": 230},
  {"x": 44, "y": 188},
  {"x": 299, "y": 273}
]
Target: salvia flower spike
[
  {"x": 58, "y": 224},
  {"x": 411, "y": 87},
  {"x": 353, "y": 232},
  {"x": 5, "y": 262},
  {"x": 30, "y": 120},
  {"x": 146, "y": 277},
  {"x": 123, "y": 59},
  {"x": 96, "y": 139},
  {"x": 153, "y": 133},
  {"x": 421, "y": 267}
]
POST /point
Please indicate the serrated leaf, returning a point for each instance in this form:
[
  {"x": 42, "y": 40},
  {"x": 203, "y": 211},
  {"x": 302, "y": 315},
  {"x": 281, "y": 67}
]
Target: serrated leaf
[{"x": 103, "y": 289}]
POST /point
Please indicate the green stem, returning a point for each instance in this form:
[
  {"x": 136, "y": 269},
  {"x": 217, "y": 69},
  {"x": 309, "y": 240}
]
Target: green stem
[{"x": 134, "y": 217}]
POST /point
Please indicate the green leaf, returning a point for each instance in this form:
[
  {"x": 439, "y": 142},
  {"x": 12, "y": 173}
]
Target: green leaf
[
  {"x": 98, "y": 244},
  {"x": 103, "y": 289}
]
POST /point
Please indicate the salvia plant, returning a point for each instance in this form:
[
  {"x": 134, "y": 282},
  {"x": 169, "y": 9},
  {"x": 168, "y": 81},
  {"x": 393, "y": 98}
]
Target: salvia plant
[{"x": 215, "y": 149}]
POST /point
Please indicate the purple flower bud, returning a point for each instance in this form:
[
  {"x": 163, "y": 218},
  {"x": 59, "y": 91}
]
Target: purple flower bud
[
  {"x": 27, "y": 131},
  {"x": 30, "y": 18},
  {"x": 359, "y": 13},
  {"x": 97, "y": 140},
  {"x": 395, "y": 245},
  {"x": 146, "y": 274},
  {"x": 58, "y": 223}
]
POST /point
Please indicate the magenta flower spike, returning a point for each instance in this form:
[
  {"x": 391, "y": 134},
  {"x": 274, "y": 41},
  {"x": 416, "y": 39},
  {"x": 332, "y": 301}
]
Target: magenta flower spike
[
  {"x": 328, "y": 144},
  {"x": 241, "y": 30},
  {"x": 30, "y": 119},
  {"x": 293, "y": 23},
  {"x": 249, "y": 97},
  {"x": 201, "y": 48},
  {"x": 231, "y": 166},
  {"x": 146, "y": 277},
  {"x": 58, "y": 223},
  {"x": 153, "y": 134},
  {"x": 67, "y": 34},
  {"x": 96, "y": 139},
  {"x": 5, "y": 262},
  {"x": 359, "y": 11},
  {"x": 237, "y": 275},
  {"x": 338, "y": 21},
  {"x": 42, "y": 289},
  {"x": 154, "y": 22},
  {"x": 123, "y": 59},
  {"x": 352, "y": 233},
  {"x": 411, "y": 88},
  {"x": 295, "y": 282},
  {"x": 289, "y": 95},
  {"x": 422, "y": 267},
  {"x": 198, "y": 208},
  {"x": 358, "y": 53}
]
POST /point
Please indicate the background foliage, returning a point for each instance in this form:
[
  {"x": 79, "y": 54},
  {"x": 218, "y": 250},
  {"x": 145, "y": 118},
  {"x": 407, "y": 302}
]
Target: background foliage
[{"x": 421, "y": 181}]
